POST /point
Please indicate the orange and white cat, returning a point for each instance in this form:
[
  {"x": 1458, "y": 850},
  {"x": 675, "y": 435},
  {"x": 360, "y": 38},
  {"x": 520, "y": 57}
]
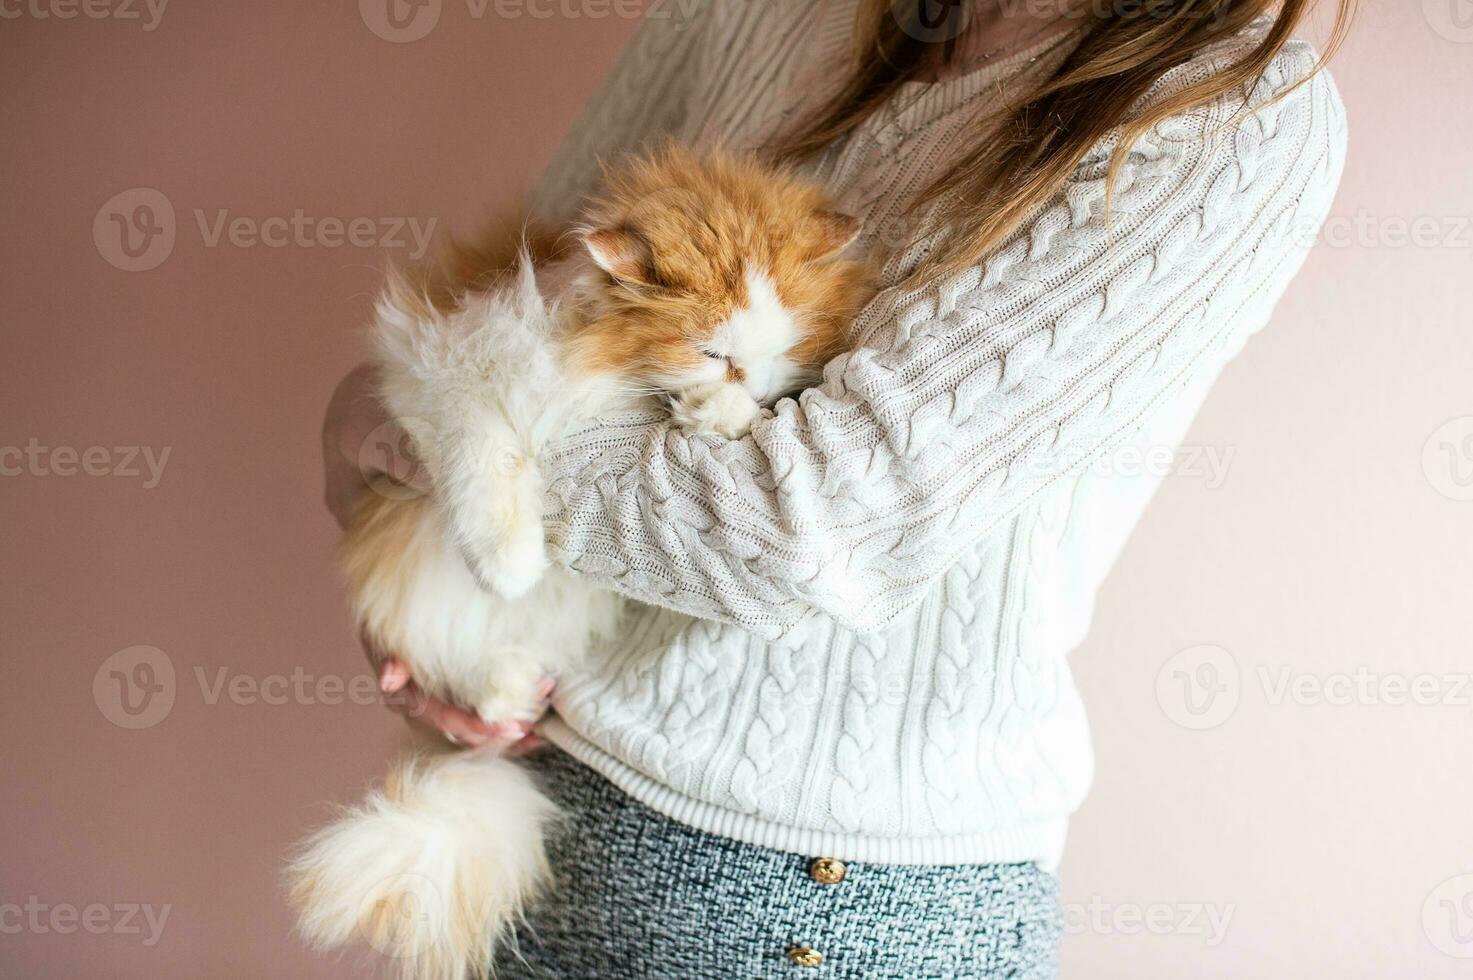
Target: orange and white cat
[{"x": 716, "y": 282}]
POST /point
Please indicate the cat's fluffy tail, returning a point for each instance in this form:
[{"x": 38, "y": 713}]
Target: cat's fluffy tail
[{"x": 432, "y": 870}]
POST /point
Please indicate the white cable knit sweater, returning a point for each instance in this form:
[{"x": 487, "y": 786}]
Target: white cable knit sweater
[{"x": 859, "y": 615}]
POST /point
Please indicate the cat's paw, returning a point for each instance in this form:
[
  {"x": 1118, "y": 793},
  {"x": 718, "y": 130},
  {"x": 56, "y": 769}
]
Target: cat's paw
[
  {"x": 513, "y": 563},
  {"x": 723, "y": 409}
]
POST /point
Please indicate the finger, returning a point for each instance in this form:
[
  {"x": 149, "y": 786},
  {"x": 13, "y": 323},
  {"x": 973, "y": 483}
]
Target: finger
[
  {"x": 527, "y": 745},
  {"x": 407, "y": 700},
  {"x": 393, "y": 675},
  {"x": 510, "y": 731},
  {"x": 442, "y": 718},
  {"x": 464, "y": 726}
]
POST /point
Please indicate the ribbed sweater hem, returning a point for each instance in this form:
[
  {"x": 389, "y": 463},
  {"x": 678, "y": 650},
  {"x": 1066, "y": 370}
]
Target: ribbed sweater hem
[{"x": 1041, "y": 842}]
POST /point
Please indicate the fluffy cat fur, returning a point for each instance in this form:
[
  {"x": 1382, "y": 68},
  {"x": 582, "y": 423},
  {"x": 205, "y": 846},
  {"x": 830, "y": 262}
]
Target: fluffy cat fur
[{"x": 715, "y": 282}]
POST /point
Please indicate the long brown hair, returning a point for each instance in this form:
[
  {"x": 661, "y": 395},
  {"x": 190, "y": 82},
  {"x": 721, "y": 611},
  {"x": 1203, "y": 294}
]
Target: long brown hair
[{"x": 1036, "y": 145}]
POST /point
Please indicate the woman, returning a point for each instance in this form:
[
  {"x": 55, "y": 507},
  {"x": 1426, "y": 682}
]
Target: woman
[{"x": 842, "y": 732}]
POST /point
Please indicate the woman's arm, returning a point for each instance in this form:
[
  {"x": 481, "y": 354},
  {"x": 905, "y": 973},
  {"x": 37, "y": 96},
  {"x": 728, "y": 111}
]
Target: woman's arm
[{"x": 963, "y": 402}]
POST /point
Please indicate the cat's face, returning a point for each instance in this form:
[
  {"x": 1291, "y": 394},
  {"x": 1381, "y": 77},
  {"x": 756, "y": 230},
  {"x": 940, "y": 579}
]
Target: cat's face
[{"x": 720, "y": 270}]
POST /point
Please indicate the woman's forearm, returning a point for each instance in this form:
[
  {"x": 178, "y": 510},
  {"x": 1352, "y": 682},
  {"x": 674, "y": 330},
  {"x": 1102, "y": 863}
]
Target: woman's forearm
[{"x": 963, "y": 402}]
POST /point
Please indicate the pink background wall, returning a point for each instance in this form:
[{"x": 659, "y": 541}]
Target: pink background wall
[{"x": 1319, "y": 830}]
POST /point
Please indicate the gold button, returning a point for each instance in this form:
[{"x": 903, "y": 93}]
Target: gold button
[
  {"x": 804, "y": 956},
  {"x": 828, "y": 871}
]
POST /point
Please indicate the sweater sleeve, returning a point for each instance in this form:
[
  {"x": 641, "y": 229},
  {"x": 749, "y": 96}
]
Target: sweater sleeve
[
  {"x": 643, "y": 98},
  {"x": 963, "y": 402}
]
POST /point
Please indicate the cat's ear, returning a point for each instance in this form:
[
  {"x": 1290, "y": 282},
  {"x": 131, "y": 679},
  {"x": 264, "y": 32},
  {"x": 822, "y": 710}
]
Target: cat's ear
[
  {"x": 835, "y": 231},
  {"x": 621, "y": 253}
]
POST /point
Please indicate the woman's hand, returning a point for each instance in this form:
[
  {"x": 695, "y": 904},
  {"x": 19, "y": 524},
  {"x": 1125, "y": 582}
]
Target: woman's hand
[
  {"x": 456, "y": 724},
  {"x": 360, "y": 443}
]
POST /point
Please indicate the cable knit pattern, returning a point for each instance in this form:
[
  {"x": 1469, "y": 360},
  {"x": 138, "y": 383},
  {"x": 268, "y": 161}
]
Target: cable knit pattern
[{"x": 880, "y": 579}]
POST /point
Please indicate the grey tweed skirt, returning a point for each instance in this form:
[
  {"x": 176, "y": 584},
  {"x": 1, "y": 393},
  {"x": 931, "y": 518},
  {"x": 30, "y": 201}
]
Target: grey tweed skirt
[{"x": 640, "y": 896}]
